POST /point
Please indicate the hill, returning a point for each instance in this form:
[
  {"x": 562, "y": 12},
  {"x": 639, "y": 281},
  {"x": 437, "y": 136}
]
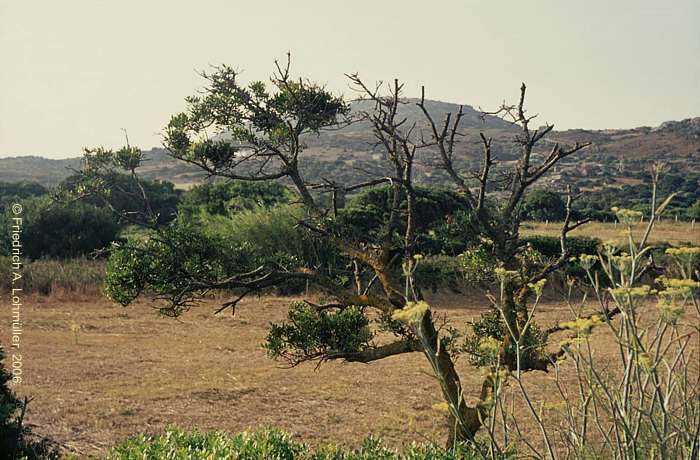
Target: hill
[{"x": 615, "y": 157}]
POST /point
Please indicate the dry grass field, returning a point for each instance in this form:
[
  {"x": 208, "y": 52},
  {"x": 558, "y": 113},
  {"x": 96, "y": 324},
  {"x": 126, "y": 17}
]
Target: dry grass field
[
  {"x": 665, "y": 231},
  {"x": 129, "y": 371}
]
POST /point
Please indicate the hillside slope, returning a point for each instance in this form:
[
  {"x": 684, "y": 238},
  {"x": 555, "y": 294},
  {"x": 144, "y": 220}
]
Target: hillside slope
[{"x": 349, "y": 154}]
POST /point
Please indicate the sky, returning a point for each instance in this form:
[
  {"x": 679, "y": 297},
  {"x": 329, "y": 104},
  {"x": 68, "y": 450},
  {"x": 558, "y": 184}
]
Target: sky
[{"x": 76, "y": 73}]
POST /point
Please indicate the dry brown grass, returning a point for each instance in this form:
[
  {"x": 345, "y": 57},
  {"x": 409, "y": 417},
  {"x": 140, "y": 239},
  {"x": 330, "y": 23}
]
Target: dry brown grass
[
  {"x": 665, "y": 231},
  {"x": 135, "y": 372}
]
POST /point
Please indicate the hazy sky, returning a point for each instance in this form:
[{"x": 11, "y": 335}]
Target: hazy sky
[{"x": 75, "y": 72}]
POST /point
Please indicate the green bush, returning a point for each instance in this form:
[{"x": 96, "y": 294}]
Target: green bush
[
  {"x": 164, "y": 264},
  {"x": 595, "y": 214},
  {"x": 52, "y": 230},
  {"x": 549, "y": 246},
  {"x": 13, "y": 192},
  {"x": 490, "y": 325},
  {"x": 596, "y": 204},
  {"x": 126, "y": 197},
  {"x": 436, "y": 272},
  {"x": 310, "y": 333},
  {"x": 543, "y": 205},
  {"x": 228, "y": 198},
  {"x": 443, "y": 223},
  {"x": 477, "y": 265},
  {"x": 271, "y": 234},
  {"x": 271, "y": 444}
]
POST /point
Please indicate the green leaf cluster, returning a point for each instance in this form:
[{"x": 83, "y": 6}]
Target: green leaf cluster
[
  {"x": 273, "y": 444},
  {"x": 176, "y": 264},
  {"x": 490, "y": 325},
  {"x": 311, "y": 334}
]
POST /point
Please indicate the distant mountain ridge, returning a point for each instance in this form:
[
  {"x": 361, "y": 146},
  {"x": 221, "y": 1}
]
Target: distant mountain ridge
[
  {"x": 32, "y": 168},
  {"x": 348, "y": 153}
]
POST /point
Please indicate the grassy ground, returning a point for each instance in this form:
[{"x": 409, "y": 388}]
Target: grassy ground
[
  {"x": 665, "y": 231},
  {"x": 129, "y": 371}
]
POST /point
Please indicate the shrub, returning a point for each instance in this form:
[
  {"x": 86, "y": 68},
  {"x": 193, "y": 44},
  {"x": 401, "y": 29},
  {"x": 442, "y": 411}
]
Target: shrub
[
  {"x": 51, "y": 230},
  {"x": 442, "y": 221},
  {"x": 271, "y": 234},
  {"x": 542, "y": 205},
  {"x": 274, "y": 236},
  {"x": 227, "y": 198},
  {"x": 271, "y": 444},
  {"x": 595, "y": 214},
  {"x": 436, "y": 272},
  {"x": 149, "y": 264},
  {"x": 313, "y": 333},
  {"x": 477, "y": 265},
  {"x": 127, "y": 197},
  {"x": 549, "y": 245},
  {"x": 13, "y": 192},
  {"x": 491, "y": 327}
]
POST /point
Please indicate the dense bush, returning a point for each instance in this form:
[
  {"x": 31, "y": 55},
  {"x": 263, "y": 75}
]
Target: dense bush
[
  {"x": 440, "y": 271},
  {"x": 311, "y": 333},
  {"x": 127, "y": 198},
  {"x": 549, "y": 246},
  {"x": 271, "y": 444},
  {"x": 595, "y": 214},
  {"x": 443, "y": 222},
  {"x": 596, "y": 204},
  {"x": 211, "y": 248},
  {"x": 543, "y": 205},
  {"x": 52, "y": 230},
  {"x": 226, "y": 198},
  {"x": 274, "y": 234},
  {"x": 14, "y": 192},
  {"x": 151, "y": 263}
]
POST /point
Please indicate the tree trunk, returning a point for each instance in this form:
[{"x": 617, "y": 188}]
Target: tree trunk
[{"x": 465, "y": 421}]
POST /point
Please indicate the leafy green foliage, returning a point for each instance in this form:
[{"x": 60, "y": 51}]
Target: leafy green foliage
[
  {"x": 165, "y": 262},
  {"x": 227, "y": 198},
  {"x": 596, "y": 204},
  {"x": 436, "y": 272},
  {"x": 53, "y": 230},
  {"x": 477, "y": 265},
  {"x": 549, "y": 246},
  {"x": 172, "y": 264},
  {"x": 108, "y": 178},
  {"x": 258, "y": 116},
  {"x": 543, "y": 205},
  {"x": 274, "y": 236},
  {"x": 271, "y": 444},
  {"x": 310, "y": 334},
  {"x": 126, "y": 196},
  {"x": 15, "y": 192},
  {"x": 491, "y": 326},
  {"x": 442, "y": 220}
]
